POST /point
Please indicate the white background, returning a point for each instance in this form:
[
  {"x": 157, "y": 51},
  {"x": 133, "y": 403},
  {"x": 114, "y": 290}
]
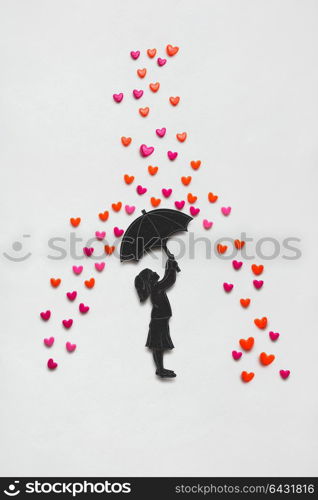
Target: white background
[{"x": 247, "y": 76}]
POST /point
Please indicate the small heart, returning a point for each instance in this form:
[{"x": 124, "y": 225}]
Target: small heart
[
  {"x": 141, "y": 72},
  {"x": 117, "y": 206},
  {"x": 266, "y": 359},
  {"x": 88, "y": 251},
  {"x": 284, "y": 373},
  {"x": 174, "y": 100},
  {"x": 194, "y": 211},
  {"x": 155, "y": 202},
  {"x": 212, "y": 197},
  {"x": 166, "y": 192},
  {"x": 228, "y": 287},
  {"x": 125, "y": 141},
  {"x": 49, "y": 342},
  {"x": 77, "y": 269},
  {"x": 144, "y": 112},
  {"x": 181, "y": 137},
  {"x": 118, "y": 97},
  {"x": 138, "y": 93},
  {"x": 99, "y": 266},
  {"x": 67, "y": 323},
  {"x": 161, "y": 132},
  {"x": 70, "y": 347},
  {"x": 226, "y": 210},
  {"x": 141, "y": 190},
  {"x": 195, "y": 164},
  {"x": 261, "y": 323},
  {"x": 221, "y": 248},
  {"x": 118, "y": 232},
  {"x": 186, "y": 180},
  {"x": 90, "y": 283},
  {"x": 207, "y": 224},
  {"x": 51, "y": 364},
  {"x": 245, "y": 302},
  {"x": 273, "y": 335},
  {"x": 247, "y": 377},
  {"x": 135, "y": 54},
  {"x": 172, "y": 155},
  {"x": 258, "y": 284},
  {"x": 82, "y": 308},
  {"x": 151, "y": 53},
  {"x": 152, "y": 170},
  {"x": 179, "y": 204},
  {"x": 55, "y": 282},
  {"x": 237, "y": 264},
  {"x": 45, "y": 315},
  {"x": 129, "y": 178},
  {"x": 171, "y": 51},
  {"x": 236, "y": 355},
  {"x": 100, "y": 235},
  {"x": 145, "y": 150},
  {"x": 161, "y": 62},
  {"x": 130, "y": 209},
  {"x": 154, "y": 87},
  {"x": 247, "y": 344},
  {"x": 75, "y": 221},
  {"x": 109, "y": 249},
  {"x": 239, "y": 244},
  {"x": 104, "y": 216},
  {"x": 192, "y": 198},
  {"x": 257, "y": 270},
  {"x": 71, "y": 295}
]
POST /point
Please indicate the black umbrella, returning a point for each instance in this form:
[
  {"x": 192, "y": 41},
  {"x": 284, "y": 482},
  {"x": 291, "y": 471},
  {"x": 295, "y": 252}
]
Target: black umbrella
[{"x": 151, "y": 230}]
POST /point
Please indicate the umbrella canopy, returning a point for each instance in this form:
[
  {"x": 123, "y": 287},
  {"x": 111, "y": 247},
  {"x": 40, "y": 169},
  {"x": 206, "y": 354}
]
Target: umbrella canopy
[{"x": 151, "y": 230}]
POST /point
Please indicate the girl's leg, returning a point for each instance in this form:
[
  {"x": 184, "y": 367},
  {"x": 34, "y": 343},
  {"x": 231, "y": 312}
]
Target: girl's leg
[{"x": 158, "y": 359}]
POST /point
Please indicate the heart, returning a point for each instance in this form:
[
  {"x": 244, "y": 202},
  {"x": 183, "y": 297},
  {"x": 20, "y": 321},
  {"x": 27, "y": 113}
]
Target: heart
[
  {"x": 151, "y": 53},
  {"x": 161, "y": 62},
  {"x": 261, "y": 323},
  {"x": 118, "y": 232},
  {"x": 129, "y": 178},
  {"x": 144, "y": 111},
  {"x": 192, "y": 198},
  {"x": 51, "y": 364},
  {"x": 245, "y": 302},
  {"x": 49, "y": 342},
  {"x": 75, "y": 221},
  {"x": 67, "y": 323},
  {"x": 161, "y": 132},
  {"x": 55, "y": 282},
  {"x": 141, "y": 72},
  {"x": 186, "y": 180},
  {"x": 145, "y": 150},
  {"x": 70, "y": 347},
  {"x": 221, "y": 248},
  {"x": 104, "y": 216},
  {"x": 239, "y": 244},
  {"x": 130, "y": 209},
  {"x": 100, "y": 235},
  {"x": 195, "y": 164},
  {"x": 138, "y": 93},
  {"x": 247, "y": 344},
  {"x": 45, "y": 315},
  {"x": 152, "y": 170},
  {"x": 82, "y": 308},
  {"x": 266, "y": 359},
  {"x": 207, "y": 224},
  {"x": 258, "y": 284},
  {"x": 236, "y": 355},
  {"x": 90, "y": 283},
  {"x": 166, "y": 192},
  {"x": 174, "y": 100},
  {"x": 118, "y": 97},
  {"x": 88, "y": 251},
  {"x": 135, "y": 54},
  {"x": 109, "y": 250},
  {"x": 257, "y": 270},
  {"x": 237, "y": 264},
  {"x": 273, "y": 335},
  {"x": 212, "y": 197},
  {"x": 171, "y": 51},
  {"x": 181, "y": 137},
  {"x": 99, "y": 266},
  {"x": 179, "y": 204},
  {"x": 117, "y": 206},
  {"x": 155, "y": 201},
  {"x": 226, "y": 210},
  {"x": 284, "y": 373},
  {"x": 172, "y": 155},
  {"x": 141, "y": 190},
  {"x": 154, "y": 87},
  {"x": 71, "y": 295},
  {"x": 77, "y": 269},
  {"x": 125, "y": 141},
  {"x": 247, "y": 377},
  {"x": 194, "y": 211},
  {"x": 228, "y": 287}
]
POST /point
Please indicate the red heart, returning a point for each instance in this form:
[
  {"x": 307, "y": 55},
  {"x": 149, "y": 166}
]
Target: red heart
[
  {"x": 257, "y": 270},
  {"x": 90, "y": 283},
  {"x": 104, "y": 215},
  {"x": 247, "y": 344},
  {"x": 247, "y": 377},
  {"x": 221, "y": 248},
  {"x": 129, "y": 178},
  {"x": 126, "y": 141},
  {"x": 152, "y": 170},
  {"x": 75, "y": 222},
  {"x": 192, "y": 198},
  {"x": 181, "y": 137},
  {"x": 245, "y": 302},
  {"x": 55, "y": 282},
  {"x": 155, "y": 202},
  {"x": 186, "y": 180},
  {"x": 174, "y": 100},
  {"x": 212, "y": 197},
  {"x": 266, "y": 359},
  {"x": 171, "y": 51},
  {"x": 141, "y": 72},
  {"x": 239, "y": 244},
  {"x": 117, "y": 206},
  {"x": 154, "y": 86},
  {"x": 151, "y": 53},
  {"x": 261, "y": 323},
  {"x": 109, "y": 250},
  {"x": 144, "y": 111}
]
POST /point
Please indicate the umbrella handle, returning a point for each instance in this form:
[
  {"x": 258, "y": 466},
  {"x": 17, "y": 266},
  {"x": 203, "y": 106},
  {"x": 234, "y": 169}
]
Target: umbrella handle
[{"x": 170, "y": 255}]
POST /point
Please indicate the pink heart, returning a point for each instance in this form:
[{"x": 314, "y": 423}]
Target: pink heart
[
  {"x": 138, "y": 93},
  {"x": 118, "y": 97},
  {"x": 141, "y": 190},
  {"x": 45, "y": 315},
  {"x": 49, "y": 342},
  {"x": 51, "y": 364},
  {"x": 194, "y": 211},
  {"x": 226, "y": 210},
  {"x": 135, "y": 54},
  {"x": 237, "y": 264},
  {"x": 67, "y": 323},
  {"x": 161, "y": 132},
  {"x": 70, "y": 347},
  {"x": 284, "y": 373},
  {"x": 88, "y": 251},
  {"x": 258, "y": 284},
  {"x": 100, "y": 235},
  {"x": 99, "y": 266},
  {"x": 166, "y": 192},
  {"x": 273, "y": 335},
  {"x": 145, "y": 150},
  {"x": 118, "y": 232},
  {"x": 161, "y": 62},
  {"x": 77, "y": 269},
  {"x": 83, "y": 309},
  {"x": 130, "y": 210},
  {"x": 172, "y": 155},
  {"x": 228, "y": 287},
  {"x": 179, "y": 204},
  {"x": 71, "y": 295},
  {"x": 207, "y": 224},
  {"x": 236, "y": 355}
]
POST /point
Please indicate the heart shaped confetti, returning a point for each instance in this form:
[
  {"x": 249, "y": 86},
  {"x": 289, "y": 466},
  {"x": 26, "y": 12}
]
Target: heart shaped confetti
[
  {"x": 179, "y": 204},
  {"x": 51, "y": 364},
  {"x": 70, "y": 347},
  {"x": 104, "y": 216},
  {"x": 99, "y": 266},
  {"x": 166, "y": 192},
  {"x": 45, "y": 315},
  {"x": 130, "y": 209},
  {"x": 273, "y": 335},
  {"x": 118, "y": 232},
  {"x": 67, "y": 323},
  {"x": 258, "y": 284},
  {"x": 141, "y": 190},
  {"x": 88, "y": 251},
  {"x": 191, "y": 198},
  {"x": 141, "y": 72},
  {"x": 172, "y": 155},
  {"x": 236, "y": 355},
  {"x": 245, "y": 302},
  {"x": 129, "y": 179},
  {"x": 228, "y": 287},
  {"x": 109, "y": 249},
  {"x": 174, "y": 100},
  {"x": 82, "y": 308},
  {"x": 261, "y": 322},
  {"x": 151, "y": 53},
  {"x": 284, "y": 374},
  {"x": 152, "y": 170},
  {"x": 144, "y": 112},
  {"x": 237, "y": 264},
  {"x": 194, "y": 211},
  {"x": 161, "y": 132},
  {"x": 138, "y": 93},
  {"x": 89, "y": 283},
  {"x": 247, "y": 344},
  {"x": 195, "y": 164},
  {"x": 266, "y": 359},
  {"x": 181, "y": 137},
  {"x": 75, "y": 221},
  {"x": 247, "y": 377},
  {"x": 145, "y": 150},
  {"x": 207, "y": 224},
  {"x": 154, "y": 87},
  {"x": 239, "y": 244},
  {"x": 221, "y": 249},
  {"x": 125, "y": 141},
  {"x": 135, "y": 54},
  {"x": 100, "y": 235},
  {"x": 226, "y": 210},
  {"x": 212, "y": 197},
  {"x": 49, "y": 342},
  {"x": 77, "y": 269},
  {"x": 171, "y": 51},
  {"x": 118, "y": 97},
  {"x": 55, "y": 282},
  {"x": 155, "y": 202},
  {"x": 71, "y": 295},
  {"x": 117, "y": 206},
  {"x": 257, "y": 270},
  {"x": 186, "y": 180},
  {"x": 161, "y": 61}
]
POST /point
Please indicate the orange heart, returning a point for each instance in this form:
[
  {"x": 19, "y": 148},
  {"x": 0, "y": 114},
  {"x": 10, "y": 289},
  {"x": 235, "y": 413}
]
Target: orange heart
[
  {"x": 174, "y": 100},
  {"x": 261, "y": 323},
  {"x": 182, "y": 137},
  {"x": 116, "y": 206},
  {"x": 247, "y": 344},
  {"x": 144, "y": 111},
  {"x": 247, "y": 377},
  {"x": 155, "y": 202},
  {"x": 221, "y": 248},
  {"x": 125, "y": 141},
  {"x": 141, "y": 72},
  {"x": 186, "y": 180},
  {"x": 245, "y": 302},
  {"x": 152, "y": 170},
  {"x": 109, "y": 250},
  {"x": 129, "y": 178},
  {"x": 75, "y": 222},
  {"x": 151, "y": 53},
  {"x": 212, "y": 197},
  {"x": 55, "y": 282},
  {"x": 171, "y": 51},
  {"x": 192, "y": 198},
  {"x": 266, "y": 359},
  {"x": 89, "y": 283},
  {"x": 154, "y": 86},
  {"x": 257, "y": 269},
  {"x": 104, "y": 215},
  {"x": 239, "y": 244},
  {"x": 195, "y": 164}
]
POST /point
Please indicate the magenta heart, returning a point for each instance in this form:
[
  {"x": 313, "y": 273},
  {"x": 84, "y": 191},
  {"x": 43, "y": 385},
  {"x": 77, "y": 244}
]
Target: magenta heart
[
  {"x": 135, "y": 54},
  {"x": 237, "y": 264},
  {"x": 130, "y": 210},
  {"x": 273, "y": 335},
  {"x": 71, "y": 295},
  {"x": 236, "y": 355},
  {"x": 145, "y": 150},
  {"x": 258, "y": 284},
  {"x": 118, "y": 232},
  {"x": 51, "y": 364},
  {"x": 88, "y": 251},
  {"x": 100, "y": 235},
  {"x": 138, "y": 93},
  {"x": 83, "y": 309},
  {"x": 172, "y": 155},
  {"x": 161, "y": 132},
  {"x": 141, "y": 190},
  {"x": 99, "y": 266},
  {"x": 226, "y": 210},
  {"x": 166, "y": 192},
  {"x": 179, "y": 204},
  {"x": 194, "y": 211},
  {"x": 118, "y": 97},
  {"x": 49, "y": 342},
  {"x": 67, "y": 323},
  {"x": 77, "y": 269},
  {"x": 284, "y": 373},
  {"x": 161, "y": 62},
  {"x": 70, "y": 347},
  {"x": 228, "y": 287},
  {"x": 45, "y": 315},
  {"x": 207, "y": 224}
]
